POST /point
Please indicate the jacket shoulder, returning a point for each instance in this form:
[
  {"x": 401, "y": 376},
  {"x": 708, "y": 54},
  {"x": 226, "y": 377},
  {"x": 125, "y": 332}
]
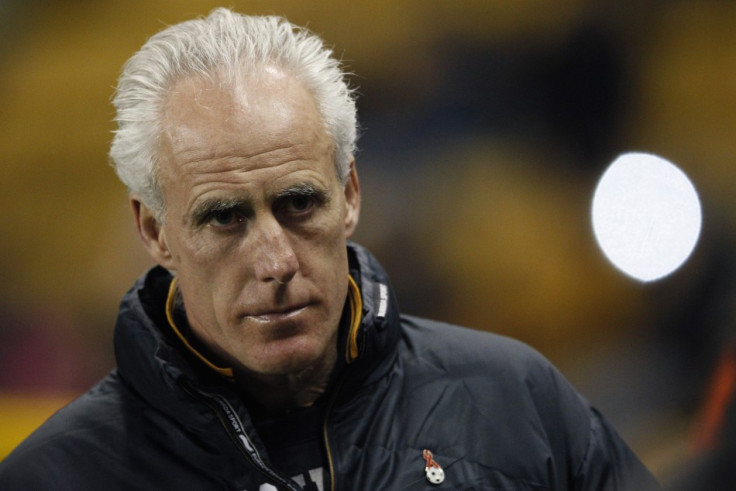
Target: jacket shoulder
[
  {"x": 511, "y": 391},
  {"x": 495, "y": 372},
  {"x": 462, "y": 351}
]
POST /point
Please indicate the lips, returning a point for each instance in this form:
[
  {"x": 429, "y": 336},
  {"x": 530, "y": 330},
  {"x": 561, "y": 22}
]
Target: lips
[{"x": 278, "y": 314}]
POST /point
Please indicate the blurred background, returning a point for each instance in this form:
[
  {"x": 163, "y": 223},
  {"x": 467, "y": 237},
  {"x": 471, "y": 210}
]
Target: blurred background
[{"x": 485, "y": 127}]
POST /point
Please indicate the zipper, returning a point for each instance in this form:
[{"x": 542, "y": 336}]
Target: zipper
[
  {"x": 352, "y": 351},
  {"x": 235, "y": 430},
  {"x": 325, "y": 433}
]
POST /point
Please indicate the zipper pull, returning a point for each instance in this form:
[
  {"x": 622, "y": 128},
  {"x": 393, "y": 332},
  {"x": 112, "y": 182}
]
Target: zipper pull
[{"x": 433, "y": 471}]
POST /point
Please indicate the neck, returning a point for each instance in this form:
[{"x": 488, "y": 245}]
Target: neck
[{"x": 278, "y": 393}]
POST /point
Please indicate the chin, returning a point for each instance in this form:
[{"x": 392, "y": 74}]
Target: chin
[{"x": 290, "y": 357}]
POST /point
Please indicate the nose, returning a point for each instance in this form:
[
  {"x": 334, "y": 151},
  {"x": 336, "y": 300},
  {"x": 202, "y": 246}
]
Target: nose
[{"x": 275, "y": 260}]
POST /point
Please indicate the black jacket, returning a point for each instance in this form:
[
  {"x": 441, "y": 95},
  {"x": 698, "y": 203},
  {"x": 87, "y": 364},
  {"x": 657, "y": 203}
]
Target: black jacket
[{"x": 495, "y": 414}]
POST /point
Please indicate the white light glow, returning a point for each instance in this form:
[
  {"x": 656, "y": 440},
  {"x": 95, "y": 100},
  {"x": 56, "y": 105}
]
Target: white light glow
[{"x": 646, "y": 216}]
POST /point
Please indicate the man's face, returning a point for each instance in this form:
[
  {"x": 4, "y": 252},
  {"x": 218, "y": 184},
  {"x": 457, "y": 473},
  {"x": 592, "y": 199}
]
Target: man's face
[{"x": 256, "y": 221}]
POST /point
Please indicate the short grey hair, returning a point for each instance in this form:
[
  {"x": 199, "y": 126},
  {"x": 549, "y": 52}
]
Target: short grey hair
[{"x": 224, "y": 40}]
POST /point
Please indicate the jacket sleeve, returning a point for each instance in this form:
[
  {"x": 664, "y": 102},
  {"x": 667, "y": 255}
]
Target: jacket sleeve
[{"x": 609, "y": 464}]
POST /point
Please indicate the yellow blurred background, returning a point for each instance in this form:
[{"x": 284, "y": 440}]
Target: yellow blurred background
[{"x": 485, "y": 125}]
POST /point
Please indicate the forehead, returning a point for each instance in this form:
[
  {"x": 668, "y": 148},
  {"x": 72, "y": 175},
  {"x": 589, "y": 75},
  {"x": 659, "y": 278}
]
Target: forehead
[{"x": 244, "y": 115}]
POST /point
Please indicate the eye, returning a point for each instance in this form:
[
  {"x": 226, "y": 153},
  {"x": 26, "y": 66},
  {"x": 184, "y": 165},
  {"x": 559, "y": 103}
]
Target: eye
[
  {"x": 299, "y": 204},
  {"x": 224, "y": 218}
]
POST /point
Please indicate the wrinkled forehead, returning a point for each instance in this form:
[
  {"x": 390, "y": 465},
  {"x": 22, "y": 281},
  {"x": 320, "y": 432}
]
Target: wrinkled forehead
[
  {"x": 245, "y": 99},
  {"x": 213, "y": 118},
  {"x": 251, "y": 108}
]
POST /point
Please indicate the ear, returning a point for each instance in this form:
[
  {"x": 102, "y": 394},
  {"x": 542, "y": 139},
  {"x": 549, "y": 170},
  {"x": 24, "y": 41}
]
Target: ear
[
  {"x": 151, "y": 233},
  {"x": 352, "y": 198}
]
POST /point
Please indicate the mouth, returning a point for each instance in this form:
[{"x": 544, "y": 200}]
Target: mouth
[{"x": 279, "y": 314}]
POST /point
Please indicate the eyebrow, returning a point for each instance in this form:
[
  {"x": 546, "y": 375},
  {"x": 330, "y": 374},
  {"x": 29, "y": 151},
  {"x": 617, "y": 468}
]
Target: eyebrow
[{"x": 302, "y": 190}]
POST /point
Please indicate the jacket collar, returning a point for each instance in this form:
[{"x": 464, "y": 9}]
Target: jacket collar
[{"x": 379, "y": 327}]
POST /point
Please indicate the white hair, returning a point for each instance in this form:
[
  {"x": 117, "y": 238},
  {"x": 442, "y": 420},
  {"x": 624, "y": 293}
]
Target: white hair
[{"x": 233, "y": 43}]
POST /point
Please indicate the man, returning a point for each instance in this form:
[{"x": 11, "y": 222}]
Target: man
[{"x": 266, "y": 351}]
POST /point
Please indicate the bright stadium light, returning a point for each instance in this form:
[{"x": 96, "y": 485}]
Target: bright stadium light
[{"x": 646, "y": 216}]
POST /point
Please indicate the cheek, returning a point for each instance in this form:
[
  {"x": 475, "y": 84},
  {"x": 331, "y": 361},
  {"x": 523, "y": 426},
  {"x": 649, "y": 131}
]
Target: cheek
[
  {"x": 207, "y": 300},
  {"x": 199, "y": 252},
  {"x": 322, "y": 251},
  {"x": 207, "y": 275},
  {"x": 332, "y": 266}
]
